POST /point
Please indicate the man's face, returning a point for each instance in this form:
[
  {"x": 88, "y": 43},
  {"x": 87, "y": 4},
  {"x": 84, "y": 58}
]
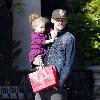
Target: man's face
[{"x": 59, "y": 23}]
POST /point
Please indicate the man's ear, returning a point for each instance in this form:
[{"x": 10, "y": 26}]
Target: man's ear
[{"x": 52, "y": 20}]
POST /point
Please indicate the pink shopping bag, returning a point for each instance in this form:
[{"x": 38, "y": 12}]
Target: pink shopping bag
[{"x": 43, "y": 79}]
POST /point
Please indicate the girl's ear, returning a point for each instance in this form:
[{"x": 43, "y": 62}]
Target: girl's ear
[{"x": 52, "y": 20}]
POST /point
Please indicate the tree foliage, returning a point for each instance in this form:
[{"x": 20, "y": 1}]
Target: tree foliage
[
  {"x": 92, "y": 12},
  {"x": 84, "y": 22}
]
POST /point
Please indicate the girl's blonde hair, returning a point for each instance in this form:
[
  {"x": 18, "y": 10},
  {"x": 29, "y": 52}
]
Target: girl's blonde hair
[{"x": 34, "y": 20}]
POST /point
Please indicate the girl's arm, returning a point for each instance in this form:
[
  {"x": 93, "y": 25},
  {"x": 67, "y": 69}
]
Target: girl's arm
[
  {"x": 53, "y": 37},
  {"x": 49, "y": 41}
]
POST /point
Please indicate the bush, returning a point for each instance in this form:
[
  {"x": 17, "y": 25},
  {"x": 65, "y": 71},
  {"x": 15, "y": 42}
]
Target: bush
[{"x": 84, "y": 22}]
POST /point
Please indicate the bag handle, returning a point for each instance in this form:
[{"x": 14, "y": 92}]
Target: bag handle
[{"x": 41, "y": 65}]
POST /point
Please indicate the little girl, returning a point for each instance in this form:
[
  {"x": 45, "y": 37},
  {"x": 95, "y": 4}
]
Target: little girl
[{"x": 38, "y": 38}]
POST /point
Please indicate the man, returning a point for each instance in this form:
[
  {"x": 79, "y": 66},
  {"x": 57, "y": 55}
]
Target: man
[{"x": 59, "y": 54}]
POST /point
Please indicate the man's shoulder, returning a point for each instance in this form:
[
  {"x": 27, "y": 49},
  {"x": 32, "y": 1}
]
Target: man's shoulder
[{"x": 68, "y": 35}]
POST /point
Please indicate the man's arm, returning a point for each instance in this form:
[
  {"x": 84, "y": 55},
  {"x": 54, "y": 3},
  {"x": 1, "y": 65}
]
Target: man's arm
[{"x": 69, "y": 56}]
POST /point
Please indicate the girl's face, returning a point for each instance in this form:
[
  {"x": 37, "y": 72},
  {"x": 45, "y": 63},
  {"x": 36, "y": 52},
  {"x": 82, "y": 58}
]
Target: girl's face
[
  {"x": 40, "y": 28},
  {"x": 59, "y": 24}
]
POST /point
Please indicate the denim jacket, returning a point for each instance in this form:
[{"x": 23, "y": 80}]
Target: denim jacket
[{"x": 61, "y": 55}]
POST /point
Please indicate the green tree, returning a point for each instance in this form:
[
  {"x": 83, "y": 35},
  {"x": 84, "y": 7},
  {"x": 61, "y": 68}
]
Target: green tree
[{"x": 84, "y": 22}]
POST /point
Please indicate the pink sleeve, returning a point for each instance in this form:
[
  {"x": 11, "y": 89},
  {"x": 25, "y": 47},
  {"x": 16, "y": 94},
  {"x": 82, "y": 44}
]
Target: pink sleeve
[{"x": 37, "y": 40}]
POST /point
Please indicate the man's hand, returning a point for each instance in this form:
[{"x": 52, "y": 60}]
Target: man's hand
[
  {"x": 37, "y": 60},
  {"x": 53, "y": 34}
]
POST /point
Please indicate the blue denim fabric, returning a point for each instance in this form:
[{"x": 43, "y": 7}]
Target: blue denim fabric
[{"x": 61, "y": 55}]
